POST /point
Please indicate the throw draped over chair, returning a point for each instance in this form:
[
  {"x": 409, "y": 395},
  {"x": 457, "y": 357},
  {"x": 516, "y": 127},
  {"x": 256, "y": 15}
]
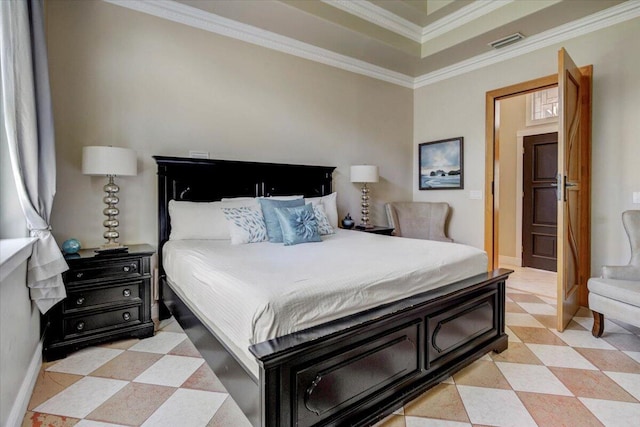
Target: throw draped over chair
[
  {"x": 419, "y": 220},
  {"x": 617, "y": 293}
]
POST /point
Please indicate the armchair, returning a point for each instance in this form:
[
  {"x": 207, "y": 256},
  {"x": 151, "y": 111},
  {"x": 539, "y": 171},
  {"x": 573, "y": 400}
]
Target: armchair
[
  {"x": 419, "y": 220},
  {"x": 617, "y": 292}
]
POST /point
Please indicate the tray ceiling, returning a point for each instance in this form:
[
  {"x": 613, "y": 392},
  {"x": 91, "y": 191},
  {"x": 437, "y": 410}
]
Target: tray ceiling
[{"x": 404, "y": 40}]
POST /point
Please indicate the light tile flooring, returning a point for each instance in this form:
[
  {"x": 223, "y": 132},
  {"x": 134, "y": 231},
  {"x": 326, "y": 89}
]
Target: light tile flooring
[
  {"x": 545, "y": 378},
  {"x": 540, "y": 282}
]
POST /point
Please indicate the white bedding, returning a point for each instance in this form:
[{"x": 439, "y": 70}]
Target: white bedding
[{"x": 254, "y": 292}]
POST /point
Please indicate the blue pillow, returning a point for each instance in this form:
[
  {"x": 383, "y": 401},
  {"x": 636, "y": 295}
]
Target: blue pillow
[
  {"x": 299, "y": 225},
  {"x": 274, "y": 232}
]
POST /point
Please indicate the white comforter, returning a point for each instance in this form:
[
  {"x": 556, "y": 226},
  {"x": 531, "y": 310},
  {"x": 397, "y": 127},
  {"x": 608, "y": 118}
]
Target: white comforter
[{"x": 259, "y": 291}]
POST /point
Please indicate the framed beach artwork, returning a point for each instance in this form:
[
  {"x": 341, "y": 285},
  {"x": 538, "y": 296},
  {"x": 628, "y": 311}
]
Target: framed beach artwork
[{"x": 440, "y": 165}]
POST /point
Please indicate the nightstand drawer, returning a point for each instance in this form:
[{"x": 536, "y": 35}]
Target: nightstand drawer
[
  {"x": 108, "y": 298},
  {"x": 106, "y": 270},
  {"x": 79, "y": 325},
  {"x": 126, "y": 292}
]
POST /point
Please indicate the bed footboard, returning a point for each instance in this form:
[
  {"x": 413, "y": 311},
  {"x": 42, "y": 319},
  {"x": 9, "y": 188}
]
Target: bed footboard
[
  {"x": 357, "y": 370},
  {"x": 241, "y": 385}
]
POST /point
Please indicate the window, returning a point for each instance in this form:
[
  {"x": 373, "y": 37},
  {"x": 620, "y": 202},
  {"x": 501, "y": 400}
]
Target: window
[{"x": 542, "y": 107}]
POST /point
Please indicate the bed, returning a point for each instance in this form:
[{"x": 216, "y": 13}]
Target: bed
[{"x": 353, "y": 368}]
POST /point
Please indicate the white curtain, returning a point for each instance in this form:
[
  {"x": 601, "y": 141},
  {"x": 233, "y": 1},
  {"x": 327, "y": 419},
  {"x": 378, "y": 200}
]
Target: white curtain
[{"x": 28, "y": 124}]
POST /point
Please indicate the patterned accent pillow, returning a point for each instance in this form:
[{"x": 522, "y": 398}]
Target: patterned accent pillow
[
  {"x": 246, "y": 225},
  {"x": 330, "y": 206},
  {"x": 298, "y": 225},
  {"x": 324, "y": 227},
  {"x": 274, "y": 232}
]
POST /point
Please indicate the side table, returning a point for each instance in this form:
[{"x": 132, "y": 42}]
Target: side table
[{"x": 108, "y": 297}]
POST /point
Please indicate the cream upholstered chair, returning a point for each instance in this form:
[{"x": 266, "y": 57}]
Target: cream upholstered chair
[
  {"x": 419, "y": 220},
  {"x": 617, "y": 292}
]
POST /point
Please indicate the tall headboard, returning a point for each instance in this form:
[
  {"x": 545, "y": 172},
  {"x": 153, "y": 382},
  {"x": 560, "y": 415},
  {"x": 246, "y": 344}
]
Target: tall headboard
[{"x": 205, "y": 180}]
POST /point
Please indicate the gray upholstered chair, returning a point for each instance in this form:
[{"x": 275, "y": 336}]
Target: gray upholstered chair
[
  {"x": 419, "y": 220},
  {"x": 617, "y": 293}
]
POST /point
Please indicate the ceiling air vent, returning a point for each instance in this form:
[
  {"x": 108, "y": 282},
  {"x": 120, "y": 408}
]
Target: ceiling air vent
[{"x": 506, "y": 41}]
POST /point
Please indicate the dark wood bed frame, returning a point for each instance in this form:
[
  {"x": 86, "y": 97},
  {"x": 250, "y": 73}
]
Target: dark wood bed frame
[{"x": 351, "y": 371}]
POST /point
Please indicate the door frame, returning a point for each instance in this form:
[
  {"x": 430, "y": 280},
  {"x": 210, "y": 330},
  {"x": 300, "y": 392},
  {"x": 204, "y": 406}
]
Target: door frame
[{"x": 492, "y": 172}]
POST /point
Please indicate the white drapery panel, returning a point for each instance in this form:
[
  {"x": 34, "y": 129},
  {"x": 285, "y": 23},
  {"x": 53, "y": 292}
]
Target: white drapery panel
[{"x": 28, "y": 124}]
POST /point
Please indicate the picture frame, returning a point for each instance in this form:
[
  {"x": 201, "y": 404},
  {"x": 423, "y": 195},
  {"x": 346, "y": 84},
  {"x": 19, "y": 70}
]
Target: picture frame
[{"x": 440, "y": 164}]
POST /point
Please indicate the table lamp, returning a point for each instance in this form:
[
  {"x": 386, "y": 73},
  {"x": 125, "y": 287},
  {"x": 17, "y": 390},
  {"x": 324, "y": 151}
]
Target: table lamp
[
  {"x": 364, "y": 174},
  {"x": 110, "y": 162}
]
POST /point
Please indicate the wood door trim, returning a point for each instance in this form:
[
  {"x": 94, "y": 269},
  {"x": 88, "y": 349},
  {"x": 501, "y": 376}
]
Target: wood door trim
[{"x": 491, "y": 209}]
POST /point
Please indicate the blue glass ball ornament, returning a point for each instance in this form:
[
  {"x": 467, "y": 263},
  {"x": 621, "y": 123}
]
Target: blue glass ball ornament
[{"x": 71, "y": 246}]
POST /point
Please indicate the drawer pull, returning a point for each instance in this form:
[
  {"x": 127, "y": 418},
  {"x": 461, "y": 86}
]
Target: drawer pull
[
  {"x": 79, "y": 275},
  {"x": 80, "y": 325},
  {"x": 80, "y": 301},
  {"x": 128, "y": 268},
  {"x": 126, "y": 315},
  {"x": 126, "y": 293}
]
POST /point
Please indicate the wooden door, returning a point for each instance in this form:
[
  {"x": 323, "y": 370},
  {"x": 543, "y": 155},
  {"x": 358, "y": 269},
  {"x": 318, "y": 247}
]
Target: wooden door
[
  {"x": 539, "y": 204},
  {"x": 573, "y": 186}
]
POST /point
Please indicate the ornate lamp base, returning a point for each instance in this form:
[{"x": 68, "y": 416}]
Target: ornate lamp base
[
  {"x": 365, "y": 208},
  {"x": 111, "y": 223}
]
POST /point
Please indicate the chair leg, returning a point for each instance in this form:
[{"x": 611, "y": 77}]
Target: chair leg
[{"x": 598, "y": 324}]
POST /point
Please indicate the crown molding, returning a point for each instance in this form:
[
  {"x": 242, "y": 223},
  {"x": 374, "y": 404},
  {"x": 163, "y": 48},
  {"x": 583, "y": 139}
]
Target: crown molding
[
  {"x": 376, "y": 15},
  {"x": 597, "y": 21},
  {"x": 460, "y": 17},
  {"x": 197, "y": 18}
]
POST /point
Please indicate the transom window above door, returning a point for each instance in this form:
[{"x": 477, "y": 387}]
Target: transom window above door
[{"x": 542, "y": 106}]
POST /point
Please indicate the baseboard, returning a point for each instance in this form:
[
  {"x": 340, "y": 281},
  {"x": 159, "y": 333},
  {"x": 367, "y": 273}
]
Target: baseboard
[
  {"x": 508, "y": 260},
  {"x": 26, "y": 389}
]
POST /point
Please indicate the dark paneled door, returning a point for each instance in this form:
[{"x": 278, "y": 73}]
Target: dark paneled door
[{"x": 540, "y": 206}]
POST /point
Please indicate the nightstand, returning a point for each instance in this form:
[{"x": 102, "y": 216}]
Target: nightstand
[
  {"x": 108, "y": 297},
  {"x": 387, "y": 231}
]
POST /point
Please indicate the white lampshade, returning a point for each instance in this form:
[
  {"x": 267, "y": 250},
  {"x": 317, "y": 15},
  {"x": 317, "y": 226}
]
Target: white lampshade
[
  {"x": 364, "y": 173},
  {"x": 101, "y": 160}
]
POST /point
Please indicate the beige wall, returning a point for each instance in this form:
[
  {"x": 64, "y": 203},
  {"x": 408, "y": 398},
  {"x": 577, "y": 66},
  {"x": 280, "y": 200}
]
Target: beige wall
[
  {"x": 124, "y": 78},
  {"x": 512, "y": 119},
  {"x": 128, "y": 79},
  {"x": 456, "y": 107}
]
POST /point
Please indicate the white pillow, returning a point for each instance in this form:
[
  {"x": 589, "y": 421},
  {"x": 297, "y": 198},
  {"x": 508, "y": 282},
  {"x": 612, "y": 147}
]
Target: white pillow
[
  {"x": 246, "y": 224},
  {"x": 197, "y": 220},
  {"x": 330, "y": 206},
  {"x": 202, "y": 220},
  {"x": 324, "y": 227}
]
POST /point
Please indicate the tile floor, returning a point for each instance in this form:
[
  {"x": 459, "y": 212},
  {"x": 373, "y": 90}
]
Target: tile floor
[
  {"x": 545, "y": 378},
  {"x": 539, "y": 282}
]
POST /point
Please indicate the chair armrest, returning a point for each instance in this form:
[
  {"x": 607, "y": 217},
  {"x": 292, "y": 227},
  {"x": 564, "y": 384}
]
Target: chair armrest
[
  {"x": 621, "y": 272},
  {"x": 392, "y": 219}
]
